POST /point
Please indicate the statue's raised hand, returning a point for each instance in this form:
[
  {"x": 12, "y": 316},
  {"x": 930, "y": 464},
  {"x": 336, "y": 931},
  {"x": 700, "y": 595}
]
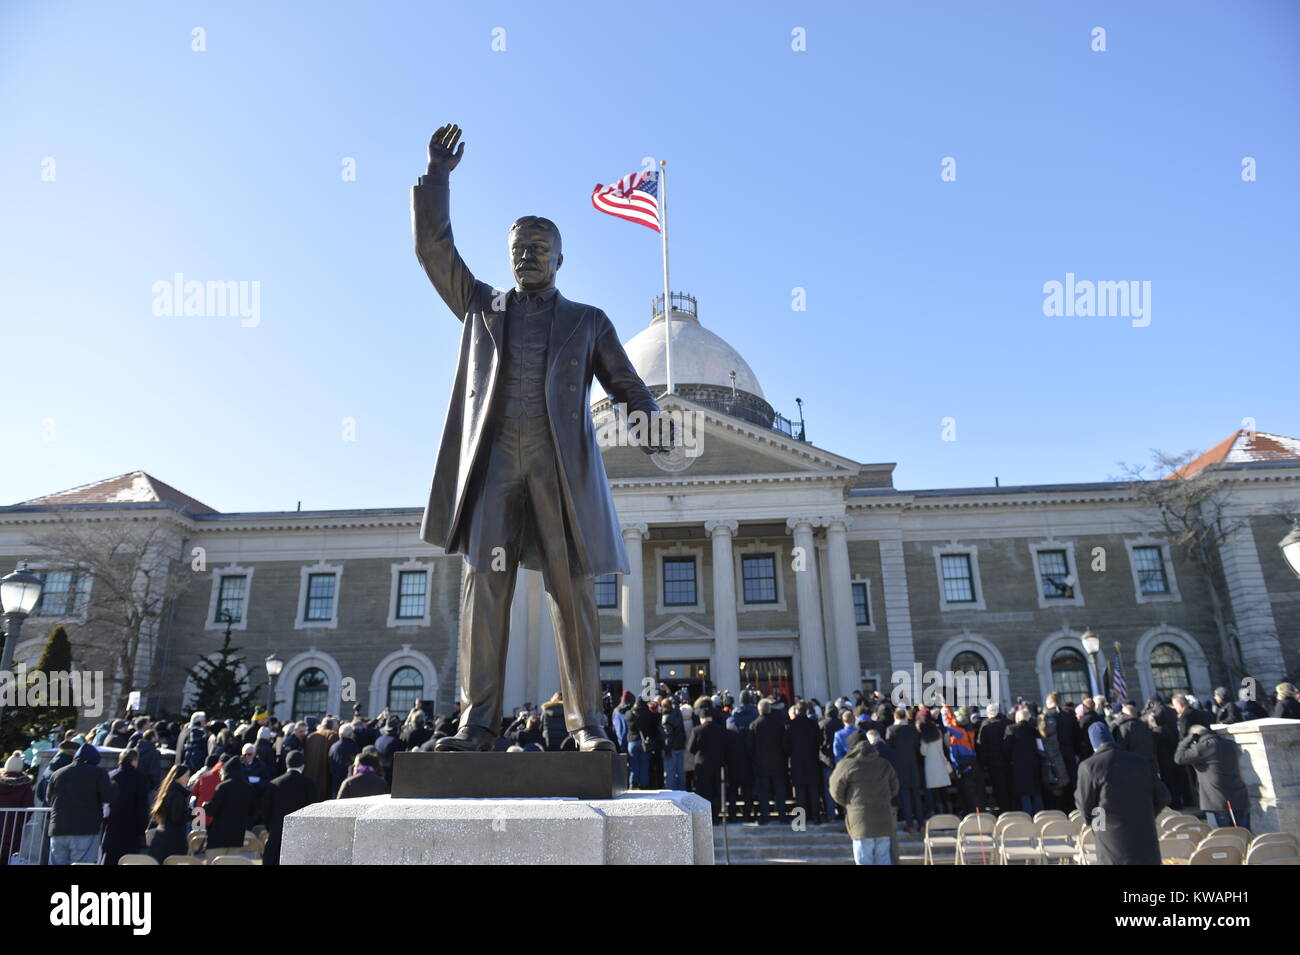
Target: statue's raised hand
[{"x": 443, "y": 153}]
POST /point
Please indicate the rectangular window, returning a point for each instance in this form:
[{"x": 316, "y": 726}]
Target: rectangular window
[
  {"x": 1054, "y": 571},
  {"x": 758, "y": 578},
  {"x": 679, "y": 582},
  {"x": 412, "y": 592},
  {"x": 320, "y": 597},
  {"x": 607, "y": 591},
  {"x": 958, "y": 581},
  {"x": 59, "y": 593},
  {"x": 1150, "y": 562},
  {"x": 230, "y": 598},
  {"x": 861, "y": 612}
]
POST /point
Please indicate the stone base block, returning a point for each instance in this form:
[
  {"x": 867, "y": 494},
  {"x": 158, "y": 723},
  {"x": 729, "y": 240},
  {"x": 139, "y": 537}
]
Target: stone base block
[{"x": 636, "y": 828}]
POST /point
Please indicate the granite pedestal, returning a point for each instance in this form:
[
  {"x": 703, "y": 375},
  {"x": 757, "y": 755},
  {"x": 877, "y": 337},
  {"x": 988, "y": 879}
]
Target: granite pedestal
[{"x": 636, "y": 828}]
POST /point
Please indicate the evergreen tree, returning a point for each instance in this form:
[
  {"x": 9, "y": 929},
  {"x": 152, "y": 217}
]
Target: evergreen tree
[
  {"x": 22, "y": 724},
  {"x": 220, "y": 691}
]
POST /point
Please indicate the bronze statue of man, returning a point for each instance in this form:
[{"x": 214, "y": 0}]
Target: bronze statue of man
[{"x": 519, "y": 478}]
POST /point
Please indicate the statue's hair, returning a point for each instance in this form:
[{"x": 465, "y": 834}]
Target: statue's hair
[{"x": 536, "y": 222}]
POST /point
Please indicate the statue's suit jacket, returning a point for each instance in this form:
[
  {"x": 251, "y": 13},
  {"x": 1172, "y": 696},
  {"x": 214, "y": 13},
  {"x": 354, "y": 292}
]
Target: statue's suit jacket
[{"x": 582, "y": 343}]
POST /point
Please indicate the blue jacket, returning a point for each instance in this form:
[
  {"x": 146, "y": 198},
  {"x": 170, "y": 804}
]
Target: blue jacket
[{"x": 842, "y": 744}]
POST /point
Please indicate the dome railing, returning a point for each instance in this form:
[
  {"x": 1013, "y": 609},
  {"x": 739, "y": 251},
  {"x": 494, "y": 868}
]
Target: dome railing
[{"x": 682, "y": 302}]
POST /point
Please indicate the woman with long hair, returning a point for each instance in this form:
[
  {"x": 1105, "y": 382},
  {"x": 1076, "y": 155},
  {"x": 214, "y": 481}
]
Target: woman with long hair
[
  {"x": 171, "y": 814},
  {"x": 934, "y": 763}
]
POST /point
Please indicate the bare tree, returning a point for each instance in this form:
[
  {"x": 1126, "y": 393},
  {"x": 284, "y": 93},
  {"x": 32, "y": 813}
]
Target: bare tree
[
  {"x": 1192, "y": 511},
  {"x": 132, "y": 567}
]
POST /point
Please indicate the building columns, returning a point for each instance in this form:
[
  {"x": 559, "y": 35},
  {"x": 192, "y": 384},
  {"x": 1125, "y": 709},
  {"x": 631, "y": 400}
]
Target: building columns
[
  {"x": 632, "y": 604},
  {"x": 812, "y": 642},
  {"x": 726, "y": 639},
  {"x": 848, "y": 665}
]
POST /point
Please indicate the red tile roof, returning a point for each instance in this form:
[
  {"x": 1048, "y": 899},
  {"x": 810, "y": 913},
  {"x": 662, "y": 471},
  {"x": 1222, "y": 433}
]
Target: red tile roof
[
  {"x": 1242, "y": 447},
  {"x": 133, "y": 487}
]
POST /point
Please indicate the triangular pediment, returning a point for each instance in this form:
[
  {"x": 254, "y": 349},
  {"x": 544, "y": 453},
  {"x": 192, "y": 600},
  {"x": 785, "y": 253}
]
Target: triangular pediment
[
  {"x": 727, "y": 447},
  {"x": 679, "y": 628}
]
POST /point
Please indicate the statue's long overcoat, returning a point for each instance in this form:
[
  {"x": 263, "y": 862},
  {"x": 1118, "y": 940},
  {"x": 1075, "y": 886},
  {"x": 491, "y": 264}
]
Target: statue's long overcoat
[{"x": 583, "y": 344}]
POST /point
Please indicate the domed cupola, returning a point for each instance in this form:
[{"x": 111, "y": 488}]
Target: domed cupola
[{"x": 705, "y": 368}]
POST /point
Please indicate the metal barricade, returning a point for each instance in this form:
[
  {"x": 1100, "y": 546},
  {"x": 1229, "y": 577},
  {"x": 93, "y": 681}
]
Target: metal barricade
[{"x": 24, "y": 836}]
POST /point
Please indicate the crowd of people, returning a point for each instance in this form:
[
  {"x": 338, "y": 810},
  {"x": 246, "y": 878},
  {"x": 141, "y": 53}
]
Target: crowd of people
[{"x": 862, "y": 760}]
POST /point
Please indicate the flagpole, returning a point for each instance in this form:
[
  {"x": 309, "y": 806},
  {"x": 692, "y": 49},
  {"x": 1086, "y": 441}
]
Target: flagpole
[{"x": 668, "y": 308}]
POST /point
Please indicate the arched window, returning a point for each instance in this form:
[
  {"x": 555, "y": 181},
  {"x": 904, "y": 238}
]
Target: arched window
[
  {"x": 405, "y": 686},
  {"x": 1169, "y": 671},
  {"x": 310, "y": 693},
  {"x": 968, "y": 660},
  {"x": 1070, "y": 675}
]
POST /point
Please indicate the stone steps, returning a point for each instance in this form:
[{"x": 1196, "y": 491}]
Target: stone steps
[{"x": 777, "y": 844}]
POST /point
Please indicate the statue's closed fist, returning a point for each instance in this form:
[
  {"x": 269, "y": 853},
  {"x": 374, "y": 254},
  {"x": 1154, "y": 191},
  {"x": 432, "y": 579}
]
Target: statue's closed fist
[{"x": 443, "y": 153}]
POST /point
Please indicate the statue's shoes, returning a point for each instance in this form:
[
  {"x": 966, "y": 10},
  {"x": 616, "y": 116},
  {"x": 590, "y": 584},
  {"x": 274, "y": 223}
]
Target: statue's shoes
[
  {"x": 592, "y": 739},
  {"x": 468, "y": 739}
]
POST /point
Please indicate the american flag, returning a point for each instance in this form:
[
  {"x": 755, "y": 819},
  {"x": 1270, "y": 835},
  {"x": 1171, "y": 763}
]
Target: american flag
[
  {"x": 635, "y": 198},
  {"x": 1117, "y": 679}
]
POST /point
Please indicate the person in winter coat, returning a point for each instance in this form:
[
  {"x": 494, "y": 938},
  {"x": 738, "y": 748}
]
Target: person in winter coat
[
  {"x": 316, "y": 748},
  {"x": 642, "y": 730},
  {"x": 1120, "y": 794},
  {"x": 342, "y": 755},
  {"x": 67, "y": 753},
  {"x": 905, "y": 739},
  {"x": 709, "y": 746},
  {"x": 554, "y": 729},
  {"x": 265, "y": 750},
  {"x": 204, "y": 784},
  {"x": 1287, "y": 706},
  {"x": 285, "y": 795},
  {"x": 1090, "y": 716},
  {"x": 128, "y": 813},
  {"x": 1058, "y": 773},
  {"x": 1164, "y": 727},
  {"x": 672, "y": 731},
  {"x": 961, "y": 754},
  {"x": 991, "y": 753},
  {"x": 1133, "y": 735},
  {"x": 827, "y": 727},
  {"x": 934, "y": 762},
  {"x": 1068, "y": 734},
  {"x": 768, "y": 733},
  {"x": 619, "y": 720},
  {"x": 864, "y": 783},
  {"x": 1024, "y": 755},
  {"x": 365, "y": 780},
  {"x": 171, "y": 814},
  {"x": 802, "y": 741},
  {"x": 1225, "y": 708},
  {"x": 16, "y": 792},
  {"x": 740, "y": 771},
  {"x": 1218, "y": 775},
  {"x": 231, "y": 809},
  {"x": 77, "y": 796},
  {"x": 145, "y": 742}
]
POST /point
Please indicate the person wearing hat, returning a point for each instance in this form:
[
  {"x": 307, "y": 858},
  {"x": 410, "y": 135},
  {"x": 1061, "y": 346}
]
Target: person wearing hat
[
  {"x": 67, "y": 753},
  {"x": 1218, "y": 774},
  {"x": 865, "y": 783},
  {"x": 77, "y": 796},
  {"x": 286, "y": 794},
  {"x": 388, "y": 745},
  {"x": 317, "y": 751},
  {"x": 16, "y": 792},
  {"x": 1120, "y": 794}
]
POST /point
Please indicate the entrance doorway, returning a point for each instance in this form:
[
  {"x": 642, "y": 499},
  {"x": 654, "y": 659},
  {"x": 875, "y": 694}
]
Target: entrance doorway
[
  {"x": 690, "y": 675},
  {"x": 770, "y": 676}
]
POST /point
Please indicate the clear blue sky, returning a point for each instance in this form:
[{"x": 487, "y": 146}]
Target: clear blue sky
[{"x": 816, "y": 169}]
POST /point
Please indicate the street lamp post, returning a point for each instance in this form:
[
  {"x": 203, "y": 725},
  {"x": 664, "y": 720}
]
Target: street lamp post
[
  {"x": 19, "y": 592},
  {"x": 1291, "y": 546},
  {"x": 1092, "y": 646},
  {"x": 274, "y": 666}
]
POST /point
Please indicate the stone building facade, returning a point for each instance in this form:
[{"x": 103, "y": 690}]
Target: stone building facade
[{"x": 765, "y": 559}]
